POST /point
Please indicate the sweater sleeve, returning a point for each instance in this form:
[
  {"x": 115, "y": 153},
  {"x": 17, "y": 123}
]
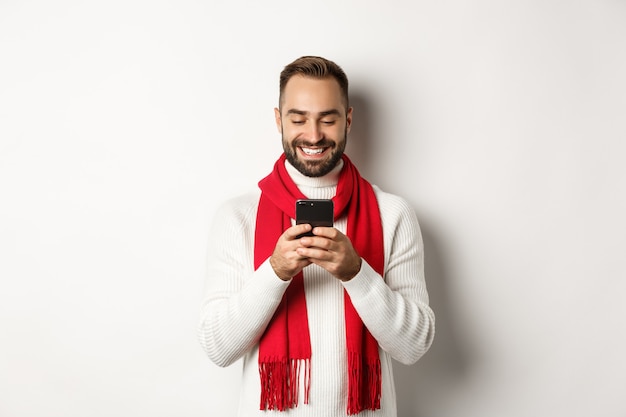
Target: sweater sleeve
[
  {"x": 395, "y": 307},
  {"x": 239, "y": 302}
]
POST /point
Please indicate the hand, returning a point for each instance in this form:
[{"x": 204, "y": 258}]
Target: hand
[
  {"x": 285, "y": 259},
  {"x": 333, "y": 251}
]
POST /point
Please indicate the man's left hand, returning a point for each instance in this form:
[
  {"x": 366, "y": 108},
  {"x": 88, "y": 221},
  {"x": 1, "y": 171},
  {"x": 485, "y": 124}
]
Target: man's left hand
[{"x": 333, "y": 251}]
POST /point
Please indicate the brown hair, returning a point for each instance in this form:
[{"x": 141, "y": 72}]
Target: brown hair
[{"x": 315, "y": 67}]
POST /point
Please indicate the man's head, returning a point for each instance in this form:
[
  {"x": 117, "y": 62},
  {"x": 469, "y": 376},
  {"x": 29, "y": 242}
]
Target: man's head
[
  {"x": 313, "y": 116},
  {"x": 314, "y": 67}
]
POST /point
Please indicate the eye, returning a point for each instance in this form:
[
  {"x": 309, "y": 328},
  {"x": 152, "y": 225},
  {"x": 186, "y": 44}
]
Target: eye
[
  {"x": 328, "y": 122},
  {"x": 297, "y": 122}
]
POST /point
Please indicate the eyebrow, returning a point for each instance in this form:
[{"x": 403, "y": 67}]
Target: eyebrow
[{"x": 333, "y": 112}]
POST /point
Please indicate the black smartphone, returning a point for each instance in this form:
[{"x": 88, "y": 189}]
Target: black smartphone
[{"x": 314, "y": 212}]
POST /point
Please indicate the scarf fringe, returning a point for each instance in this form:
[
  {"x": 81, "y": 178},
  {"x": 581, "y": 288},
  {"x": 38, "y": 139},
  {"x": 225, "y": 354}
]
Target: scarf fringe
[
  {"x": 280, "y": 383},
  {"x": 364, "y": 384}
]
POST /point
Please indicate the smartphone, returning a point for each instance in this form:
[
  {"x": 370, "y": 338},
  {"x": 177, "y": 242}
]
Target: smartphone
[{"x": 314, "y": 212}]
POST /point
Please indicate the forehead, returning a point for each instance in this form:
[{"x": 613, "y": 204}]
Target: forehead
[{"x": 312, "y": 94}]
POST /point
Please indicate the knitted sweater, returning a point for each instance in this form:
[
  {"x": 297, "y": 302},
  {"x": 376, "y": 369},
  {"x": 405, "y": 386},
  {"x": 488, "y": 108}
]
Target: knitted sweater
[{"x": 239, "y": 303}]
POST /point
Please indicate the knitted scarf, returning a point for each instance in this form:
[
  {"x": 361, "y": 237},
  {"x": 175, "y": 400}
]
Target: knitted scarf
[{"x": 285, "y": 347}]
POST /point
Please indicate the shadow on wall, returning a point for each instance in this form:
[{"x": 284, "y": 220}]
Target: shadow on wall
[
  {"x": 360, "y": 138},
  {"x": 420, "y": 387}
]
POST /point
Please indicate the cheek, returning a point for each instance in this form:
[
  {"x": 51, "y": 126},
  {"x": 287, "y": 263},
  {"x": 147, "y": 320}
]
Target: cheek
[
  {"x": 338, "y": 132},
  {"x": 289, "y": 133}
]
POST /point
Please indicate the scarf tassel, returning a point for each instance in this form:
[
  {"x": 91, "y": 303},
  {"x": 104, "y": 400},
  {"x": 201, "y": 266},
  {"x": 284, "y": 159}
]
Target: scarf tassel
[
  {"x": 280, "y": 383},
  {"x": 364, "y": 385}
]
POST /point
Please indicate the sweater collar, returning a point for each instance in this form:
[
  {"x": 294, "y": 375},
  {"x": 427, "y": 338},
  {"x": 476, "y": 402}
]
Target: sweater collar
[{"x": 329, "y": 180}]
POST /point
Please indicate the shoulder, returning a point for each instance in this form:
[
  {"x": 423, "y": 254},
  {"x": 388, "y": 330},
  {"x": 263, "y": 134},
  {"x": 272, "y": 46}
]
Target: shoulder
[
  {"x": 238, "y": 211},
  {"x": 401, "y": 229},
  {"x": 241, "y": 202},
  {"x": 399, "y": 220},
  {"x": 392, "y": 205}
]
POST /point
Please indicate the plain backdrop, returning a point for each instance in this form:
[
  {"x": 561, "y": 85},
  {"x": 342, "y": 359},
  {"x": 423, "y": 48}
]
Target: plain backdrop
[{"x": 123, "y": 125}]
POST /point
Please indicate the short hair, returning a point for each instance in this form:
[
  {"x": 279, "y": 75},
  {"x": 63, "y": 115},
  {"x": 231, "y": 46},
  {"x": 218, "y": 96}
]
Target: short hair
[{"x": 315, "y": 67}]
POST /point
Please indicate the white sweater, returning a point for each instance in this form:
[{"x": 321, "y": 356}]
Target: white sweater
[{"x": 239, "y": 302}]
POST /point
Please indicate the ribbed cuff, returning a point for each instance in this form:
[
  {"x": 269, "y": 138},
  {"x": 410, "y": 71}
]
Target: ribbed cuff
[
  {"x": 363, "y": 283},
  {"x": 269, "y": 285}
]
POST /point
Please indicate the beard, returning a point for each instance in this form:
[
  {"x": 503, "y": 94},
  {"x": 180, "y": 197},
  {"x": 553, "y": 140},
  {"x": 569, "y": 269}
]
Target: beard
[{"x": 315, "y": 168}]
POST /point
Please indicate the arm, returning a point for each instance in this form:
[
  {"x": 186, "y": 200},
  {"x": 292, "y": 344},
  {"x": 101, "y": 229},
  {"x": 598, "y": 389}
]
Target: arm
[
  {"x": 395, "y": 310},
  {"x": 238, "y": 302}
]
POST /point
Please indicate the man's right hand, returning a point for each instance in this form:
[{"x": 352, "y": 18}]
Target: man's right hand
[{"x": 285, "y": 260}]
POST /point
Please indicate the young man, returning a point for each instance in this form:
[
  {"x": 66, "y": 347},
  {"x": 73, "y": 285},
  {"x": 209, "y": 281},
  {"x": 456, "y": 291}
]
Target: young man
[{"x": 316, "y": 319}]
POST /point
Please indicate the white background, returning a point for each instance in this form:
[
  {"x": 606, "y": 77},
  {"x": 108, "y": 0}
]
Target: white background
[{"x": 123, "y": 124}]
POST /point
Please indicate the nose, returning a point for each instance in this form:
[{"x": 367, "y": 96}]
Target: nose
[{"x": 315, "y": 134}]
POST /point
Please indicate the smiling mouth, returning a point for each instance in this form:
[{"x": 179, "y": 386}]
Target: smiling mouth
[{"x": 312, "y": 151}]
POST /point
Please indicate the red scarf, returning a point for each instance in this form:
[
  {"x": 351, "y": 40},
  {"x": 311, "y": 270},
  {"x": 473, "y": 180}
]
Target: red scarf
[{"x": 285, "y": 347}]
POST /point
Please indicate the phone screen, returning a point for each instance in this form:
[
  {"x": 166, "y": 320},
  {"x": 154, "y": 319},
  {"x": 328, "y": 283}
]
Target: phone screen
[{"x": 314, "y": 212}]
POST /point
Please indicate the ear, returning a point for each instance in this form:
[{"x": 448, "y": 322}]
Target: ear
[
  {"x": 279, "y": 122},
  {"x": 348, "y": 119}
]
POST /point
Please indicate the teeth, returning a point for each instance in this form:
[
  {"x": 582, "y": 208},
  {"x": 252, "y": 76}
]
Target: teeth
[{"x": 310, "y": 151}]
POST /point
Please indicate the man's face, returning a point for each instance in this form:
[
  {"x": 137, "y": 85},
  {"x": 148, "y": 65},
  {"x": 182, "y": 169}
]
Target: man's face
[{"x": 314, "y": 124}]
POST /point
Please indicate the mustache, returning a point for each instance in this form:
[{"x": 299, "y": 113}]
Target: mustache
[{"x": 324, "y": 143}]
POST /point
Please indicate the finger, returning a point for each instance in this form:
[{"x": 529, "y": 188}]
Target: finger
[
  {"x": 327, "y": 232},
  {"x": 314, "y": 254},
  {"x": 317, "y": 242},
  {"x": 295, "y": 231}
]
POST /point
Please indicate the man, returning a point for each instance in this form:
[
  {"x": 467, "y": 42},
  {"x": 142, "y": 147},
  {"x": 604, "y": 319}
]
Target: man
[{"x": 317, "y": 319}]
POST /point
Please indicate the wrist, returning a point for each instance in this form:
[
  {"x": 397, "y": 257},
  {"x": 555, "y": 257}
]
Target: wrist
[
  {"x": 354, "y": 271},
  {"x": 279, "y": 271}
]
